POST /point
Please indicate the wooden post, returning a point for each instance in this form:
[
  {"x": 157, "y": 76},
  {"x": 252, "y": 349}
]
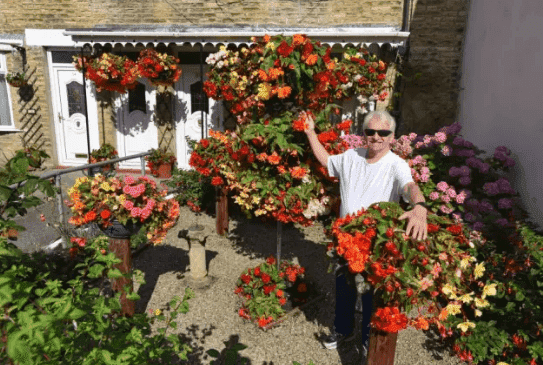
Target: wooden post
[
  {"x": 382, "y": 348},
  {"x": 222, "y": 210},
  {"x": 121, "y": 248},
  {"x": 279, "y": 236}
]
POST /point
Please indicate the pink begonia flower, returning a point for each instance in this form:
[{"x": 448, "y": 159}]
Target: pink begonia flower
[
  {"x": 446, "y": 151},
  {"x": 128, "y": 204},
  {"x": 446, "y": 209},
  {"x": 129, "y": 179},
  {"x": 442, "y": 186},
  {"x": 465, "y": 180},
  {"x": 445, "y": 198},
  {"x": 440, "y": 137},
  {"x": 443, "y": 256},
  {"x": 135, "y": 212},
  {"x": 505, "y": 203},
  {"x": 451, "y": 192},
  {"x": 434, "y": 195}
]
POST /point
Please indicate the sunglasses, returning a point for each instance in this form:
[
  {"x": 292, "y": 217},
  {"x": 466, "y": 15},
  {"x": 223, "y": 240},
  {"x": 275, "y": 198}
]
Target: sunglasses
[{"x": 380, "y": 132}]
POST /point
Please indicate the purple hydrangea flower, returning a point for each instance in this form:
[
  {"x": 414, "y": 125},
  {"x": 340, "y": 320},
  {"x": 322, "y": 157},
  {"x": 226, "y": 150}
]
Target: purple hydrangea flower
[
  {"x": 505, "y": 203},
  {"x": 478, "y": 226},
  {"x": 504, "y": 186},
  {"x": 464, "y": 170},
  {"x": 502, "y": 149},
  {"x": 458, "y": 141},
  {"x": 465, "y": 180},
  {"x": 468, "y": 144},
  {"x": 469, "y": 217},
  {"x": 502, "y": 222},
  {"x": 509, "y": 162},
  {"x": 454, "y": 128},
  {"x": 464, "y": 153},
  {"x": 484, "y": 167},
  {"x": 498, "y": 155},
  {"x": 473, "y": 162},
  {"x": 485, "y": 206},
  {"x": 453, "y": 171},
  {"x": 491, "y": 188}
]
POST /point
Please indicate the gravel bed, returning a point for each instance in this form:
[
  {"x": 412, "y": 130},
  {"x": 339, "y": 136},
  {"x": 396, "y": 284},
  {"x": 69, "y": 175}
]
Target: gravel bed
[{"x": 213, "y": 316}]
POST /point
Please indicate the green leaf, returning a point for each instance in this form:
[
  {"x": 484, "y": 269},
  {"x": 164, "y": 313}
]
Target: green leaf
[{"x": 213, "y": 353}]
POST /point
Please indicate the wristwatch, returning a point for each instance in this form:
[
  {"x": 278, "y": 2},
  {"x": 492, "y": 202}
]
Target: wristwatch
[{"x": 421, "y": 204}]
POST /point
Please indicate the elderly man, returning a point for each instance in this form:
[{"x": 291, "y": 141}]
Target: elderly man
[{"x": 367, "y": 176}]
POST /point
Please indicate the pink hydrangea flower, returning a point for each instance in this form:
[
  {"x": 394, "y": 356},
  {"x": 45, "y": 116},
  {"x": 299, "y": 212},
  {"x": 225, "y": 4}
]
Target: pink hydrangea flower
[
  {"x": 424, "y": 178},
  {"x": 460, "y": 198},
  {"x": 442, "y": 186},
  {"x": 445, "y": 198},
  {"x": 434, "y": 195},
  {"x": 446, "y": 151},
  {"x": 445, "y": 209},
  {"x": 440, "y": 137},
  {"x": 451, "y": 192},
  {"x": 412, "y": 136}
]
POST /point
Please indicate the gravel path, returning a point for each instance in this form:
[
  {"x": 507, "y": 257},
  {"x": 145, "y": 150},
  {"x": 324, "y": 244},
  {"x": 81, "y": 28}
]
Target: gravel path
[{"x": 213, "y": 320}]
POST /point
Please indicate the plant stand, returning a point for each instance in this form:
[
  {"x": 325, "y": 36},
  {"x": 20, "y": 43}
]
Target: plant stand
[
  {"x": 221, "y": 197},
  {"x": 382, "y": 348},
  {"x": 121, "y": 248}
]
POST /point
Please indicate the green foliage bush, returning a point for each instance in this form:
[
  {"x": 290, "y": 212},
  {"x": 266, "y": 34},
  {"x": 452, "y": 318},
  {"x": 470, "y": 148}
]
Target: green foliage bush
[
  {"x": 193, "y": 189},
  {"x": 56, "y": 310}
]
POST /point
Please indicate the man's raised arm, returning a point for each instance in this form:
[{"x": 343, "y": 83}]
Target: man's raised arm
[{"x": 317, "y": 148}]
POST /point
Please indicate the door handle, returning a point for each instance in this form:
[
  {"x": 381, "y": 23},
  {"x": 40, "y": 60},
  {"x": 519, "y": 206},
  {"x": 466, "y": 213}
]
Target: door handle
[{"x": 60, "y": 118}]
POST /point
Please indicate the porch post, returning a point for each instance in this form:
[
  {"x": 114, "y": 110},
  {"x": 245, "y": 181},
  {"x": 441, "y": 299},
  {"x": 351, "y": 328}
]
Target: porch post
[
  {"x": 221, "y": 197},
  {"x": 85, "y": 101}
]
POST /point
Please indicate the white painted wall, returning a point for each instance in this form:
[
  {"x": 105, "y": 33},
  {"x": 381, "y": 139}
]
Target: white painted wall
[{"x": 502, "y": 100}]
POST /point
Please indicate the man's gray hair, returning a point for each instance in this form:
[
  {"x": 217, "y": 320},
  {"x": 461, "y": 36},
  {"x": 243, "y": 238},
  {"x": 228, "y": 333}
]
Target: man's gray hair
[{"x": 383, "y": 116}]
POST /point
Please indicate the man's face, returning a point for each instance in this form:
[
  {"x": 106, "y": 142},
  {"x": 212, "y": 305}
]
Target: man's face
[{"x": 377, "y": 143}]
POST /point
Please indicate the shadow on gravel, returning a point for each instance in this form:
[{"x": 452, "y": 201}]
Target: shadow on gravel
[
  {"x": 158, "y": 260},
  {"x": 435, "y": 345}
]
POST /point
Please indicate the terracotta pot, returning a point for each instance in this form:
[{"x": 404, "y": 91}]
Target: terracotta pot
[{"x": 164, "y": 171}]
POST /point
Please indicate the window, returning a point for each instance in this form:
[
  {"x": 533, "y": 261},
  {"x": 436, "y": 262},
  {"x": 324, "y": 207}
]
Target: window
[{"x": 6, "y": 113}]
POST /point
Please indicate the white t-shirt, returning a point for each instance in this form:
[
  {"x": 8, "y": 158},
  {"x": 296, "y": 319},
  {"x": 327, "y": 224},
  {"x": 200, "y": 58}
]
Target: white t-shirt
[{"x": 362, "y": 184}]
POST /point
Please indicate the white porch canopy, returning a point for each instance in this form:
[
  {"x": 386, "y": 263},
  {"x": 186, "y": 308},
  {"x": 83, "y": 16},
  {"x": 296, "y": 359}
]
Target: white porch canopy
[{"x": 215, "y": 36}]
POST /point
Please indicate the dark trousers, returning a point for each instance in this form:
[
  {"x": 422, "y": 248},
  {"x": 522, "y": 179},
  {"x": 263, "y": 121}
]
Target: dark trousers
[{"x": 346, "y": 302}]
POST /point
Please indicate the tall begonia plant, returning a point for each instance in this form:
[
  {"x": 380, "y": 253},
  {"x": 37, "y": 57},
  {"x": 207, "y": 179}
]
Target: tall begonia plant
[
  {"x": 267, "y": 162},
  {"x": 439, "y": 274}
]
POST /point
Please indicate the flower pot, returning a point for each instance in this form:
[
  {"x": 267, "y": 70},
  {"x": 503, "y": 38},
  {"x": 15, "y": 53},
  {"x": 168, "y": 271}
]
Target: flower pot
[
  {"x": 119, "y": 230},
  {"x": 164, "y": 171}
]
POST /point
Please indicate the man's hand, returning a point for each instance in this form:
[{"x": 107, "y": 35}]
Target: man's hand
[
  {"x": 416, "y": 224},
  {"x": 310, "y": 122}
]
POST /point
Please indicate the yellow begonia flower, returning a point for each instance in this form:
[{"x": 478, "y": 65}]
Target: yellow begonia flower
[
  {"x": 502, "y": 363},
  {"x": 466, "y": 298},
  {"x": 259, "y": 212},
  {"x": 222, "y": 48},
  {"x": 465, "y": 326},
  {"x": 264, "y": 91},
  {"x": 481, "y": 303},
  {"x": 448, "y": 289},
  {"x": 478, "y": 313},
  {"x": 270, "y": 45},
  {"x": 157, "y": 312},
  {"x": 479, "y": 270},
  {"x": 453, "y": 309},
  {"x": 346, "y": 56},
  {"x": 489, "y": 290},
  {"x": 464, "y": 263},
  {"x": 105, "y": 186},
  {"x": 122, "y": 198},
  {"x": 256, "y": 199}
]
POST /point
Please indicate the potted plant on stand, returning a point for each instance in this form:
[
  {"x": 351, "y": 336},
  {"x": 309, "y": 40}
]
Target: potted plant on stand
[
  {"x": 121, "y": 207},
  {"x": 104, "y": 153},
  {"x": 35, "y": 156},
  {"x": 160, "y": 162}
]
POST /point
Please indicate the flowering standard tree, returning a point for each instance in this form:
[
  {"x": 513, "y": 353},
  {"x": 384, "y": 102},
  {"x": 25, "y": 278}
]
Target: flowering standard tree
[
  {"x": 109, "y": 72},
  {"x": 267, "y": 163}
]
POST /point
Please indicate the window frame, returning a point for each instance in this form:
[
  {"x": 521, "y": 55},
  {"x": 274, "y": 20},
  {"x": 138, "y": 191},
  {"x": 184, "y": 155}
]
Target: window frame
[{"x": 4, "y": 72}]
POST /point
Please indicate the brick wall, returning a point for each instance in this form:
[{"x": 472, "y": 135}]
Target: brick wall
[
  {"x": 21, "y": 14},
  {"x": 437, "y": 33}
]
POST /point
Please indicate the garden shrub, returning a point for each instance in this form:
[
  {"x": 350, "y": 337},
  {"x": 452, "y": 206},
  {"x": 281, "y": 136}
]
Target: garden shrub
[
  {"x": 56, "y": 310},
  {"x": 193, "y": 189}
]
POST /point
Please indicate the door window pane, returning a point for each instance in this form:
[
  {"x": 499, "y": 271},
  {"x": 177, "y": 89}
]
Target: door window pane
[
  {"x": 198, "y": 99},
  {"x": 76, "y": 100},
  {"x": 5, "y": 115},
  {"x": 136, "y": 99}
]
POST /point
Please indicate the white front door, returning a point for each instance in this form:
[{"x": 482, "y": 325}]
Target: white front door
[
  {"x": 136, "y": 130},
  {"x": 191, "y": 101},
  {"x": 69, "y": 108}
]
